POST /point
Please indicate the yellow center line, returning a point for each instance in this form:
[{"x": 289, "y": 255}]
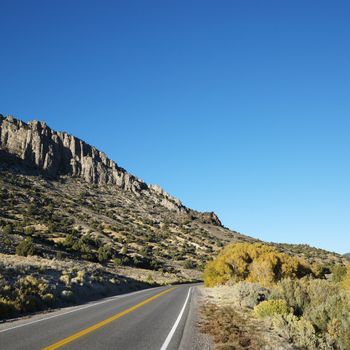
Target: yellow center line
[{"x": 103, "y": 323}]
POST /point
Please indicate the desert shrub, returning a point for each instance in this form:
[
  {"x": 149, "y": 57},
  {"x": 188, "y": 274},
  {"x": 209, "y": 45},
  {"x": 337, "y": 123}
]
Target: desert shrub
[
  {"x": 7, "y": 229},
  {"x": 48, "y": 298},
  {"x": 124, "y": 250},
  {"x": 189, "y": 264},
  {"x": 67, "y": 295},
  {"x": 294, "y": 293},
  {"x": 298, "y": 330},
  {"x": 103, "y": 253},
  {"x": 69, "y": 241},
  {"x": 269, "y": 308},
  {"x": 79, "y": 278},
  {"x": 117, "y": 262},
  {"x": 25, "y": 248},
  {"x": 66, "y": 278},
  {"x": 29, "y": 230},
  {"x": 331, "y": 317},
  {"x": 346, "y": 278},
  {"x": 7, "y": 308},
  {"x": 306, "y": 295},
  {"x": 81, "y": 246},
  {"x": 338, "y": 273},
  {"x": 126, "y": 260},
  {"x": 249, "y": 294},
  {"x": 321, "y": 303},
  {"x": 320, "y": 270},
  {"x": 29, "y": 293},
  {"x": 253, "y": 262},
  {"x": 154, "y": 264},
  {"x": 326, "y": 301},
  {"x": 136, "y": 261}
]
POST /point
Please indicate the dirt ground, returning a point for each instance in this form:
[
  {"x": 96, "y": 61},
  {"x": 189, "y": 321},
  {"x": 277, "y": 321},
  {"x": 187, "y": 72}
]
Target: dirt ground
[{"x": 233, "y": 327}]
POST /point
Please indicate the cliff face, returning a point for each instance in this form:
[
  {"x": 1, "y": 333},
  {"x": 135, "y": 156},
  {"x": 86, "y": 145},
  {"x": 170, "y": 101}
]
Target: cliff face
[{"x": 58, "y": 153}]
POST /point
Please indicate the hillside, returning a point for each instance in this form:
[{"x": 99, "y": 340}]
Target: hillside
[
  {"x": 74, "y": 201},
  {"x": 79, "y": 226},
  {"x": 86, "y": 222}
]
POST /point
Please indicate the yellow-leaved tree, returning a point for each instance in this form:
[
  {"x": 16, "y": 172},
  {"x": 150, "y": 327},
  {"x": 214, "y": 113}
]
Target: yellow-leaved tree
[{"x": 253, "y": 262}]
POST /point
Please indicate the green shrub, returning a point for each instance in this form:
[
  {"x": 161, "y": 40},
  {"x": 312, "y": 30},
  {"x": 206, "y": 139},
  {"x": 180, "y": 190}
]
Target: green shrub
[
  {"x": 7, "y": 229},
  {"x": 117, "y": 262},
  {"x": 29, "y": 230},
  {"x": 323, "y": 304},
  {"x": 269, "y": 308},
  {"x": 69, "y": 241},
  {"x": 299, "y": 331},
  {"x": 338, "y": 273},
  {"x": 48, "y": 298},
  {"x": 189, "y": 264},
  {"x": 124, "y": 250},
  {"x": 104, "y": 253},
  {"x": 25, "y": 248},
  {"x": 29, "y": 293},
  {"x": 346, "y": 278},
  {"x": 294, "y": 292}
]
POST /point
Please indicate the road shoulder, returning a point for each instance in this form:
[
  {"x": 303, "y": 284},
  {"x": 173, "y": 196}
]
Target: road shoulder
[{"x": 193, "y": 338}]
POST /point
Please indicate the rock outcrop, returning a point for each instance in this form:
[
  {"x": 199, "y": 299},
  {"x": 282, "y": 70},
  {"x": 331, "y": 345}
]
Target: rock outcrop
[
  {"x": 58, "y": 153},
  {"x": 211, "y": 218}
]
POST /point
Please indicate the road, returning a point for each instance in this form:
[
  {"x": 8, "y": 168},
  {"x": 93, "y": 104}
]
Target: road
[{"x": 152, "y": 319}]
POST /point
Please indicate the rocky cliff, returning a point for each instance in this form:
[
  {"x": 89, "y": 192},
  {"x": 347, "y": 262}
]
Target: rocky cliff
[{"x": 58, "y": 153}]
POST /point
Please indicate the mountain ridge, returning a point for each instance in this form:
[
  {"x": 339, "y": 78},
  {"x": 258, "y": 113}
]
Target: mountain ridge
[{"x": 59, "y": 153}]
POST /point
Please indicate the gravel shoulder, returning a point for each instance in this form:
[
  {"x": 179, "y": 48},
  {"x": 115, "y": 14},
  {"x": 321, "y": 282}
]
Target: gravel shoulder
[{"x": 193, "y": 338}]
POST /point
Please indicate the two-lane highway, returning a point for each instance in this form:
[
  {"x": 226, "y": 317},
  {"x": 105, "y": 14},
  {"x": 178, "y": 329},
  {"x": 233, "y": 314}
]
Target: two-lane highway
[{"x": 152, "y": 319}]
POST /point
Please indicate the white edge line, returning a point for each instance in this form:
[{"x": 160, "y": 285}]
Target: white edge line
[
  {"x": 173, "y": 329},
  {"x": 78, "y": 309}
]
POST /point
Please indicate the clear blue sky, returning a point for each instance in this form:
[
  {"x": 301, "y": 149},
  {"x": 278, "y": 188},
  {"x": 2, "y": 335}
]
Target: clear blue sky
[{"x": 241, "y": 107}]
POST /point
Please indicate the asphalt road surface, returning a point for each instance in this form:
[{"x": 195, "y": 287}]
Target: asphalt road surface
[{"x": 150, "y": 319}]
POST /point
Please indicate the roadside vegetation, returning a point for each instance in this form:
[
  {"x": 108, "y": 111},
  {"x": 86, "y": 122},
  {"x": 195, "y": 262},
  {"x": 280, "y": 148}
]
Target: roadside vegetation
[
  {"x": 64, "y": 242},
  {"x": 31, "y": 284},
  {"x": 68, "y": 218},
  {"x": 306, "y": 304}
]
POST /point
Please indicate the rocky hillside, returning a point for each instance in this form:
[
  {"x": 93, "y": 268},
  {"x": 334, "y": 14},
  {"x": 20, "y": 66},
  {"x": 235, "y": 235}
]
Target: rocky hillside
[
  {"x": 58, "y": 153},
  {"x": 75, "y": 225},
  {"x": 74, "y": 202}
]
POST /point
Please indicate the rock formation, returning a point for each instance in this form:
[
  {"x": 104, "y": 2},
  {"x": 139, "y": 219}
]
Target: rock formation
[
  {"x": 58, "y": 153},
  {"x": 211, "y": 218}
]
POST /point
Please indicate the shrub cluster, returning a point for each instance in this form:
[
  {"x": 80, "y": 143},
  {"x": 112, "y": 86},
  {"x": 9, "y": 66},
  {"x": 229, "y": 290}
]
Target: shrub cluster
[
  {"x": 253, "y": 262},
  {"x": 26, "y": 247},
  {"x": 313, "y": 313},
  {"x": 28, "y": 294},
  {"x": 270, "y": 308},
  {"x": 320, "y": 304},
  {"x": 248, "y": 294}
]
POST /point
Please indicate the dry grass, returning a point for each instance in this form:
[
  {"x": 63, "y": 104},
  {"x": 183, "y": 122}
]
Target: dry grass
[
  {"x": 233, "y": 327},
  {"x": 30, "y": 284}
]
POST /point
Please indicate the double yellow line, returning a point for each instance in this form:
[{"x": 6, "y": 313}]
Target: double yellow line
[{"x": 103, "y": 323}]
